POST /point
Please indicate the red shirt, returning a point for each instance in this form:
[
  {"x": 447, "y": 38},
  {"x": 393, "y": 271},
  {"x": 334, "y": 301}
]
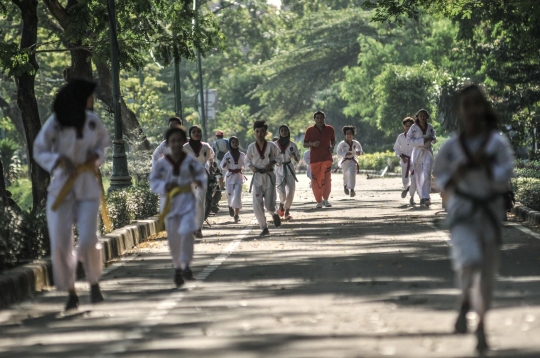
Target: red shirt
[{"x": 325, "y": 137}]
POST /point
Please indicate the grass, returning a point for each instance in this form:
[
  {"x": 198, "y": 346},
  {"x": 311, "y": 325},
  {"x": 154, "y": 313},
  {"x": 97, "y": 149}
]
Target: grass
[{"x": 21, "y": 192}]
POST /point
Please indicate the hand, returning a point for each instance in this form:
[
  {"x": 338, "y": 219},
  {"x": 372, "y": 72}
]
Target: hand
[
  {"x": 315, "y": 144},
  {"x": 404, "y": 158},
  {"x": 198, "y": 183},
  {"x": 269, "y": 166},
  {"x": 359, "y": 152},
  {"x": 427, "y": 140},
  {"x": 331, "y": 150},
  {"x": 170, "y": 186},
  {"x": 91, "y": 157},
  {"x": 68, "y": 166},
  {"x": 228, "y": 160}
]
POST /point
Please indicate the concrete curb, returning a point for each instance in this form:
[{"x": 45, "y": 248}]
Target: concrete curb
[
  {"x": 21, "y": 282},
  {"x": 526, "y": 214}
]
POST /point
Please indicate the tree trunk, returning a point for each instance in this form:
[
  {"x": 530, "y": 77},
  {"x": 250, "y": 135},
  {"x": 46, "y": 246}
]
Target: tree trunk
[
  {"x": 3, "y": 194},
  {"x": 130, "y": 124},
  {"x": 14, "y": 114},
  {"x": 81, "y": 65},
  {"x": 26, "y": 100}
]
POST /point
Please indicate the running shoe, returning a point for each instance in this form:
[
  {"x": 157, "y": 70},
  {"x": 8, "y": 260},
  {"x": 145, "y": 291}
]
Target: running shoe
[
  {"x": 178, "y": 279},
  {"x": 345, "y": 190},
  {"x": 281, "y": 210},
  {"x": 277, "y": 220},
  {"x": 95, "y": 294},
  {"x": 326, "y": 203},
  {"x": 353, "y": 193},
  {"x": 187, "y": 274},
  {"x": 404, "y": 193},
  {"x": 236, "y": 218},
  {"x": 265, "y": 232},
  {"x": 231, "y": 211},
  {"x": 319, "y": 205},
  {"x": 72, "y": 302}
]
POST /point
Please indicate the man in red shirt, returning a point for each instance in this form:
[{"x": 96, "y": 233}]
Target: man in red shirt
[{"x": 321, "y": 139}]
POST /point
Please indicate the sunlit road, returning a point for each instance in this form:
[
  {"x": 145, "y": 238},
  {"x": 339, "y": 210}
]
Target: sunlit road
[{"x": 369, "y": 277}]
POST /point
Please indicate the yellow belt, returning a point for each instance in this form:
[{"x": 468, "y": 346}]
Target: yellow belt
[
  {"x": 68, "y": 186},
  {"x": 167, "y": 208}
]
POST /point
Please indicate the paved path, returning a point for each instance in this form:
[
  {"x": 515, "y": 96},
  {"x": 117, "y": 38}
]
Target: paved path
[{"x": 369, "y": 277}]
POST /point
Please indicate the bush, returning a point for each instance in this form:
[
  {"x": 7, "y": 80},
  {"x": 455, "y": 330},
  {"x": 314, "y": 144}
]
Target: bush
[
  {"x": 377, "y": 161},
  {"x": 527, "y": 192},
  {"x": 126, "y": 205},
  {"x": 23, "y": 236}
]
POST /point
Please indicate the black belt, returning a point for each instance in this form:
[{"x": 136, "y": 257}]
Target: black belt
[
  {"x": 285, "y": 168},
  {"x": 261, "y": 171},
  {"x": 482, "y": 204}
]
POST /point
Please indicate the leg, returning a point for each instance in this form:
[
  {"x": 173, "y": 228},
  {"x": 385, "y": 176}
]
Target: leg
[
  {"x": 327, "y": 186},
  {"x": 346, "y": 176},
  {"x": 200, "y": 198},
  {"x": 317, "y": 180},
  {"x": 64, "y": 261},
  {"x": 89, "y": 249},
  {"x": 185, "y": 232},
  {"x": 427, "y": 167},
  {"x": 173, "y": 237},
  {"x": 352, "y": 176},
  {"x": 237, "y": 197},
  {"x": 230, "y": 194},
  {"x": 291, "y": 186},
  {"x": 405, "y": 180},
  {"x": 281, "y": 189},
  {"x": 412, "y": 188},
  {"x": 258, "y": 207}
]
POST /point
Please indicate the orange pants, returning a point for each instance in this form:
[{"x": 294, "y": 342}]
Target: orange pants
[{"x": 321, "y": 182}]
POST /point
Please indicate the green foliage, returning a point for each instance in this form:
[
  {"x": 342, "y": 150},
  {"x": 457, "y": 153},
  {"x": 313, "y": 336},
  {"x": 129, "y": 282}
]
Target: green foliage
[
  {"x": 23, "y": 237},
  {"x": 21, "y": 191},
  {"x": 377, "y": 161},
  {"x": 126, "y": 205},
  {"x": 527, "y": 192}
]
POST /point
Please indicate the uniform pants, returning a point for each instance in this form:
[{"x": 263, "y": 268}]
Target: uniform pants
[
  {"x": 321, "y": 180},
  {"x": 286, "y": 190},
  {"x": 180, "y": 230},
  {"x": 200, "y": 202},
  {"x": 88, "y": 251},
  {"x": 349, "y": 175},
  {"x": 477, "y": 282},
  {"x": 422, "y": 173},
  {"x": 264, "y": 197},
  {"x": 410, "y": 178},
  {"x": 234, "y": 195}
]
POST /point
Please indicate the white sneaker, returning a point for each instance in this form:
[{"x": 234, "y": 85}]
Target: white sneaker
[
  {"x": 326, "y": 203},
  {"x": 319, "y": 205}
]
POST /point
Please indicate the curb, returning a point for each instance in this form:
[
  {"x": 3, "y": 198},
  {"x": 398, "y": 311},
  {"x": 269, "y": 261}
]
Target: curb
[
  {"x": 21, "y": 282},
  {"x": 526, "y": 214}
]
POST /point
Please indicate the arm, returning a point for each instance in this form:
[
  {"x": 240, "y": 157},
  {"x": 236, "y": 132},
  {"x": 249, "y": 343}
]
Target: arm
[
  {"x": 198, "y": 173},
  {"x": 359, "y": 150},
  {"x": 44, "y": 154},
  {"x": 342, "y": 151},
  {"x": 249, "y": 158},
  {"x": 308, "y": 140},
  {"x": 296, "y": 153},
  {"x": 157, "y": 180},
  {"x": 275, "y": 154},
  {"x": 417, "y": 142},
  {"x": 503, "y": 167},
  {"x": 102, "y": 143},
  {"x": 397, "y": 147},
  {"x": 225, "y": 161}
]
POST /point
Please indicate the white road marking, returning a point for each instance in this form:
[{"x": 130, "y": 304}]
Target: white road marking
[{"x": 523, "y": 229}]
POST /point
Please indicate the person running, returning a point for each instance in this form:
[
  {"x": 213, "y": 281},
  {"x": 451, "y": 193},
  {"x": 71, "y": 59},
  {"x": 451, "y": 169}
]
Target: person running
[
  {"x": 233, "y": 162},
  {"x": 321, "y": 139},
  {"x": 172, "y": 178},
  {"x": 404, "y": 150},
  {"x": 261, "y": 157},
  {"x": 71, "y": 147},
  {"x": 474, "y": 168},
  {"x": 202, "y": 153},
  {"x": 221, "y": 147},
  {"x": 285, "y": 174},
  {"x": 348, "y": 150},
  {"x": 163, "y": 149},
  {"x": 421, "y": 136}
]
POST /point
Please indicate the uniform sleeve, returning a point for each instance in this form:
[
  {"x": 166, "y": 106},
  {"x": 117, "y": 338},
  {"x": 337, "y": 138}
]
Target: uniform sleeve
[
  {"x": 249, "y": 156},
  {"x": 157, "y": 179},
  {"x": 359, "y": 147},
  {"x": 44, "y": 153},
  {"x": 397, "y": 147},
  {"x": 102, "y": 143},
  {"x": 296, "y": 151},
  {"x": 223, "y": 163},
  {"x": 158, "y": 153},
  {"x": 417, "y": 142},
  {"x": 442, "y": 170},
  {"x": 341, "y": 150},
  {"x": 198, "y": 173},
  {"x": 503, "y": 168},
  {"x": 275, "y": 153}
]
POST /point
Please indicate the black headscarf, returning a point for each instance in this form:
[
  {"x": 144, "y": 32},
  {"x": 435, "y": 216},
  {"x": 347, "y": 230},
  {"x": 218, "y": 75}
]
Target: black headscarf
[
  {"x": 195, "y": 144},
  {"x": 70, "y": 103},
  {"x": 284, "y": 141},
  {"x": 235, "y": 152}
]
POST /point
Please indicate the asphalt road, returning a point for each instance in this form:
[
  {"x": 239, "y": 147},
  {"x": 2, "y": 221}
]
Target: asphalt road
[{"x": 369, "y": 277}]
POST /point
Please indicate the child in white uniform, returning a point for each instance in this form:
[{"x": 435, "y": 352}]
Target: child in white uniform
[
  {"x": 203, "y": 153},
  {"x": 474, "y": 169},
  {"x": 285, "y": 175},
  {"x": 71, "y": 146},
  {"x": 261, "y": 157},
  {"x": 172, "y": 178},
  {"x": 421, "y": 136},
  {"x": 404, "y": 150},
  {"x": 348, "y": 149},
  {"x": 163, "y": 149},
  {"x": 233, "y": 162}
]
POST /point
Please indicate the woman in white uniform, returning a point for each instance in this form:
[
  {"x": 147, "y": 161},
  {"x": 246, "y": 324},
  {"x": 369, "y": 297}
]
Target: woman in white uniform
[
  {"x": 233, "y": 163},
  {"x": 71, "y": 146},
  {"x": 473, "y": 169},
  {"x": 203, "y": 153},
  {"x": 403, "y": 150},
  {"x": 285, "y": 174},
  {"x": 422, "y": 136}
]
